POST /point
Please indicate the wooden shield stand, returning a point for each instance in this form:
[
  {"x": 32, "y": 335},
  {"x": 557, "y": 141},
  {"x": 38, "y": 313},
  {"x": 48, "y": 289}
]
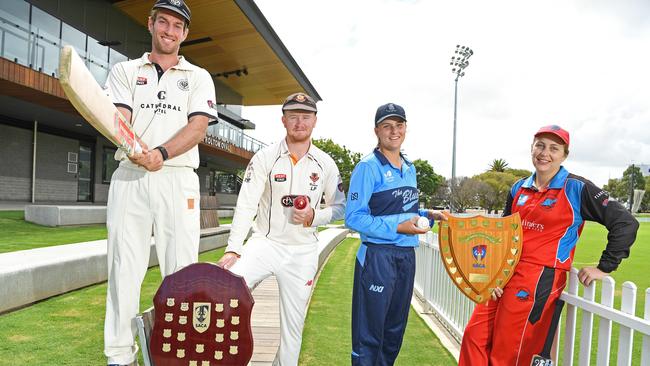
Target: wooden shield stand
[
  {"x": 202, "y": 318},
  {"x": 480, "y": 253}
]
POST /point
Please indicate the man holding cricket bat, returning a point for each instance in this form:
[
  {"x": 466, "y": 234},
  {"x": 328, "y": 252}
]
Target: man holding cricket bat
[
  {"x": 169, "y": 104},
  {"x": 280, "y": 198}
]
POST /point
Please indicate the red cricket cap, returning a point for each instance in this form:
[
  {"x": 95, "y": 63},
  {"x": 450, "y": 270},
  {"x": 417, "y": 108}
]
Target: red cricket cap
[{"x": 555, "y": 130}]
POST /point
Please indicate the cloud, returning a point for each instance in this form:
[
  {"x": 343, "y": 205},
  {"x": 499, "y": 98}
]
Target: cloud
[{"x": 581, "y": 64}]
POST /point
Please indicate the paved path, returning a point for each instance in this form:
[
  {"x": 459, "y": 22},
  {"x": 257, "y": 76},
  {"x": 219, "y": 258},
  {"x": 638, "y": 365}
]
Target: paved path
[{"x": 266, "y": 322}]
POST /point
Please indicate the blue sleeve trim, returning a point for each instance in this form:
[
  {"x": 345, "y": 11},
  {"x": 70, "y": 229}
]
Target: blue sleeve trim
[{"x": 573, "y": 192}]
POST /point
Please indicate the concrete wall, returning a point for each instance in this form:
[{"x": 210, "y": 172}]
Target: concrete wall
[
  {"x": 53, "y": 182},
  {"x": 16, "y": 166}
]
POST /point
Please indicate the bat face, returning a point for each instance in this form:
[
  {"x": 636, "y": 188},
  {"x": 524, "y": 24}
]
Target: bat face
[{"x": 92, "y": 103}]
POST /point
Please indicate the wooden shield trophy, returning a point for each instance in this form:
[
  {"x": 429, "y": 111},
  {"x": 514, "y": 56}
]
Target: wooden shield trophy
[
  {"x": 480, "y": 253},
  {"x": 202, "y": 318}
]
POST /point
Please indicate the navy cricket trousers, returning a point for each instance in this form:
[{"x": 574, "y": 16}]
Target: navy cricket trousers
[{"x": 381, "y": 298}]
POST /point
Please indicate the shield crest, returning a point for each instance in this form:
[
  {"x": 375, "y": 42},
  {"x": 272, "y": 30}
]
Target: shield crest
[
  {"x": 193, "y": 309},
  {"x": 480, "y": 253}
]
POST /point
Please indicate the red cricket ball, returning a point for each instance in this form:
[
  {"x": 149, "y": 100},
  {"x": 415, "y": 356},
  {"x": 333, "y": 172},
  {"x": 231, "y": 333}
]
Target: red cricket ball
[{"x": 300, "y": 202}]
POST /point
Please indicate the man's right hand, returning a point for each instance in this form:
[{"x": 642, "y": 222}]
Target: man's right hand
[
  {"x": 228, "y": 260},
  {"x": 410, "y": 227}
]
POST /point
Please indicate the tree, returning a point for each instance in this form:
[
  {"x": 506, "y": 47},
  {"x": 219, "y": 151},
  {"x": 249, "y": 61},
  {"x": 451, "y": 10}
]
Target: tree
[
  {"x": 466, "y": 193},
  {"x": 494, "y": 199},
  {"x": 519, "y": 173},
  {"x": 621, "y": 188},
  {"x": 428, "y": 181},
  {"x": 345, "y": 159},
  {"x": 498, "y": 165}
]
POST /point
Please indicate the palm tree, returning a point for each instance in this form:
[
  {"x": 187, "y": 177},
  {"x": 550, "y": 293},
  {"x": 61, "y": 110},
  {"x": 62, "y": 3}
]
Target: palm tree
[{"x": 498, "y": 165}]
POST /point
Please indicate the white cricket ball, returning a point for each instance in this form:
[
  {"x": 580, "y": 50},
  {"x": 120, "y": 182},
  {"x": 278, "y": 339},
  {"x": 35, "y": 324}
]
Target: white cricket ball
[{"x": 423, "y": 222}]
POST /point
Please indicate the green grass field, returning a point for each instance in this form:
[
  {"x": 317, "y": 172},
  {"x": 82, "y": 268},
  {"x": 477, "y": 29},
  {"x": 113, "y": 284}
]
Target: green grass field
[
  {"x": 68, "y": 329},
  {"x": 633, "y": 269},
  {"x": 18, "y": 234},
  {"x": 328, "y": 320}
]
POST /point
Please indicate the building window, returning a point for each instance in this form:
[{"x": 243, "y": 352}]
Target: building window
[
  {"x": 109, "y": 164},
  {"x": 223, "y": 182}
]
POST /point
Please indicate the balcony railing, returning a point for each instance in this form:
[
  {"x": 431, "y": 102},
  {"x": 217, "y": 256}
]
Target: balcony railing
[
  {"x": 30, "y": 46},
  {"x": 235, "y": 136}
]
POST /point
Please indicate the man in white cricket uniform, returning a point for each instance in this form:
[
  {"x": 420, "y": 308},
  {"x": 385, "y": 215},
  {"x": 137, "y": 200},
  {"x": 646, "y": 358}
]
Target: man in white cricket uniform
[
  {"x": 169, "y": 102},
  {"x": 284, "y": 239}
]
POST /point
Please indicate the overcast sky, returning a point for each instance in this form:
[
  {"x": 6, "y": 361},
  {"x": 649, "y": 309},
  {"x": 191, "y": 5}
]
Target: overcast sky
[{"x": 582, "y": 64}]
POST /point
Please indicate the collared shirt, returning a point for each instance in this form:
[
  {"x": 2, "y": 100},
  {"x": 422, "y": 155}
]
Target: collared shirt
[
  {"x": 272, "y": 180},
  {"x": 381, "y": 197},
  {"x": 552, "y": 220},
  {"x": 161, "y": 103}
]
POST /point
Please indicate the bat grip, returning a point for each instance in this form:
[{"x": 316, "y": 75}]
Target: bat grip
[{"x": 138, "y": 148}]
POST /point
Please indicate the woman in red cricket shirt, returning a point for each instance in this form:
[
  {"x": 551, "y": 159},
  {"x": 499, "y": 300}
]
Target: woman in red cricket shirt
[{"x": 518, "y": 324}]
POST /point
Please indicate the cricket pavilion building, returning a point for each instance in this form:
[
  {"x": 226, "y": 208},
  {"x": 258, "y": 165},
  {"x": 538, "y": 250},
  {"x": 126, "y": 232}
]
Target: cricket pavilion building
[{"x": 50, "y": 154}]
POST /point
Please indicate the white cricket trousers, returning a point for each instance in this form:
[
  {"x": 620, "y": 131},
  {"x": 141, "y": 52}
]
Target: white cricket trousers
[
  {"x": 294, "y": 267},
  {"x": 165, "y": 201}
]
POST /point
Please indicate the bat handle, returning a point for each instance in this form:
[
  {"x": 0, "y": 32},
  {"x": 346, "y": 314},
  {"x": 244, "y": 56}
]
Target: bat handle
[{"x": 138, "y": 148}]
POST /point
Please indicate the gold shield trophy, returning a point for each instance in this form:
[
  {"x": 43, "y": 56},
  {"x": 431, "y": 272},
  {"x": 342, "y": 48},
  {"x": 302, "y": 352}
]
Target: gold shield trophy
[{"x": 480, "y": 253}]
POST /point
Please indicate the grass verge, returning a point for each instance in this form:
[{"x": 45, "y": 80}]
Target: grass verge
[{"x": 328, "y": 320}]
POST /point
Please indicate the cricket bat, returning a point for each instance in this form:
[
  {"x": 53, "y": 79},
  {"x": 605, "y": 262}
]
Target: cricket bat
[{"x": 92, "y": 102}]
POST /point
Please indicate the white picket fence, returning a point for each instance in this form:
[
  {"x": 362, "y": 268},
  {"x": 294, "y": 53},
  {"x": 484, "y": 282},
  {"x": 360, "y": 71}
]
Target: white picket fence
[{"x": 453, "y": 310}]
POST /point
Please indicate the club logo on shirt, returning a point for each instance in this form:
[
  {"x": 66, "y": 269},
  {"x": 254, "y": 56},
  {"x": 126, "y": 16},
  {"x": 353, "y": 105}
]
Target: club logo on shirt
[
  {"x": 183, "y": 85},
  {"x": 210, "y": 103},
  {"x": 522, "y": 200},
  {"x": 354, "y": 196},
  {"x": 280, "y": 177},
  {"x": 314, "y": 177},
  {"x": 549, "y": 203},
  {"x": 141, "y": 81}
]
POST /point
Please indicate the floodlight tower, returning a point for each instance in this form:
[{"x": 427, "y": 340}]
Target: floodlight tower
[{"x": 459, "y": 62}]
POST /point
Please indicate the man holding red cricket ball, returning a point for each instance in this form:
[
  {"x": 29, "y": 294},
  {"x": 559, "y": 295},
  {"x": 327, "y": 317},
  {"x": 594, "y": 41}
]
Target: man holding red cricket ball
[{"x": 280, "y": 198}]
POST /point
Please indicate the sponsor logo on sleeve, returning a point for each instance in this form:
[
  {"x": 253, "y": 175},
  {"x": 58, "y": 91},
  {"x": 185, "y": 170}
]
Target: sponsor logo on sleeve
[
  {"x": 603, "y": 196},
  {"x": 354, "y": 196},
  {"x": 249, "y": 172}
]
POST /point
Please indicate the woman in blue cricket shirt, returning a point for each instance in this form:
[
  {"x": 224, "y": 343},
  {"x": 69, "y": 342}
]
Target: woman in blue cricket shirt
[{"x": 383, "y": 206}]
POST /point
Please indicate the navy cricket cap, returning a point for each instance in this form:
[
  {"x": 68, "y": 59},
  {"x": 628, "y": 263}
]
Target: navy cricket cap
[
  {"x": 300, "y": 101},
  {"x": 177, "y": 6},
  {"x": 389, "y": 110}
]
